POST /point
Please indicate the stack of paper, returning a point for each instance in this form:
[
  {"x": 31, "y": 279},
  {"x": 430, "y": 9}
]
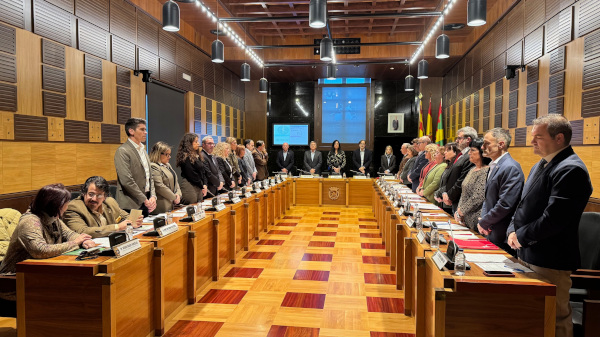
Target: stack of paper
[
  {"x": 454, "y": 227},
  {"x": 512, "y": 267}
]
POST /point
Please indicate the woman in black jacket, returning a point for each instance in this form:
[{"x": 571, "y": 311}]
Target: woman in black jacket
[
  {"x": 193, "y": 170},
  {"x": 449, "y": 176},
  {"x": 221, "y": 152}
]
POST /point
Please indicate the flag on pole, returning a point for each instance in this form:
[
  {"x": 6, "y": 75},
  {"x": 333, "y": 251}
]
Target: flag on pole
[
  {"x": 429, "y": 121},
  {"x": 420, "y": 115},
  {"x": 439, "y": 134}
]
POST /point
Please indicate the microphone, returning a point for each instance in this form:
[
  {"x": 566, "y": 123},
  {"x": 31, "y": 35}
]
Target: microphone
[
  {"x": 303, "y": 171},
  {"x": 384, "y": 174},
  {"x": 357, "y": 172}
]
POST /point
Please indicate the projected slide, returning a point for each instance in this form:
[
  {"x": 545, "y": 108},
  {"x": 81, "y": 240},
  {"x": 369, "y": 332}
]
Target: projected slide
[
  {"x": 344, "y": 114},
  {"x": 293, "y": 134}
]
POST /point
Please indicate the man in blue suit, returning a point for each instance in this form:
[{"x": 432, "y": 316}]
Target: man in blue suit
[
  {"x": 502, "y": 189},
  {"x": 420, "y": 163},
  {"x": 545, "y": 226}
]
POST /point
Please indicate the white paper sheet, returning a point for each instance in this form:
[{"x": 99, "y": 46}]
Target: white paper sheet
[
  {"x": 510, "y": 267},
  {"x": 464, "y": 235},
  {"x": 428, "y": 206},
  {"x": 486, "y": 258},
  {"x": 455, "y": 227},
  {"x": 102, "y": 242}
]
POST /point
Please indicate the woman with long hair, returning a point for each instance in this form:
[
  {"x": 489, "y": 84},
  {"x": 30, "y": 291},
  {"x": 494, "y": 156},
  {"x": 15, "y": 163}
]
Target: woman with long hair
[
  {"x": 193, "y": 169},
  {"x": 166, "y": 184},
  {"x": 449, "y": 176},
  {"x": 336, "y": 158}
]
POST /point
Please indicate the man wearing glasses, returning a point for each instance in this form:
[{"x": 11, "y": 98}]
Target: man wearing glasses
[
  {"x": 215, "y": 179},
  {"x": 420, "y": 163},
  {"x": 465, "y": 137},
  {"x": 95, "y": 213}
]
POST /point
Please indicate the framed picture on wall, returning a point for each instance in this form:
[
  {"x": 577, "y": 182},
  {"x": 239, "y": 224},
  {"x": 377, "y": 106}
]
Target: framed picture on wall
[{"x": 396, "y": 123}]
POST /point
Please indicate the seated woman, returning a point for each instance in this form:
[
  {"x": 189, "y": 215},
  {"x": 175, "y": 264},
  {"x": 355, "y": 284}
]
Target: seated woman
[
  {"x": 245, "y": 178},
  {"x": 221, "y": 153},
  {"x": 41, "y": 234},
  {"x": 193, "y": 170},
  {"x": 432, "y": 180},
  {"x": 412, "y": 154},
  {"x": 449, "y": 177},
  {"x": 336, "y": 158},
  {"x": 388, "y": 161},
  {"x": 168, "y": 192},
  {"x": 473, "y": 187}
]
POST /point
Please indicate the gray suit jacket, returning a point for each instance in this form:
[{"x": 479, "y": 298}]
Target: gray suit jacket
[
  {"x": 167, "y": 187},
  {"x": 502, "y": 194},
  {"x": 131, "y": 177},
  {"x": 315, "y": 163}
]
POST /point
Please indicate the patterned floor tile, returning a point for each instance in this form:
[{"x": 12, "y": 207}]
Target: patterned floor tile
[
  {"x": 304, "y": 300},
  {"x": 223, "y": 296},
  {"x": 311, "y": 275},
  {"x": 244, "y": 272}
]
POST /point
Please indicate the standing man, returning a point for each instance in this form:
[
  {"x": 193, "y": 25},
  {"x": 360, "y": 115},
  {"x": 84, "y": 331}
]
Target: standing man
[
  {"x": 285, "y": 158},
  {"x": 502, "y": 189},
  {"x": 232, "y": 158},
  {"x": 544, "y": 229},
  {"x": 313, "y": 160},
  {"x": 452, "y": 196},
  {"x": 261, "y": 158},
  {"x": 403, "y": 150},
  {"x": 248, "y": 159},
  {"x": 215, "y": 179},
  {"x": 135, "y": 186},
  {"x": 362, "y": 157},
  {"x": 420, "y": 163}
]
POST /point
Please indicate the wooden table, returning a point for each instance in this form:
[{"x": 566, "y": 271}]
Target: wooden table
[{"x": 332, "y": 191}]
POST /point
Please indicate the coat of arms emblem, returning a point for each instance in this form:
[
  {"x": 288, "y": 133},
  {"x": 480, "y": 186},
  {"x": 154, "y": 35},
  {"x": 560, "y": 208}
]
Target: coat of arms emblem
[{"x": 334, "y": 193}]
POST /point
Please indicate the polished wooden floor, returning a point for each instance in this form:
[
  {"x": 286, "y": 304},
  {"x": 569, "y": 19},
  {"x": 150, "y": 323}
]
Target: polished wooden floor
[{"x": 317, "y": 272}]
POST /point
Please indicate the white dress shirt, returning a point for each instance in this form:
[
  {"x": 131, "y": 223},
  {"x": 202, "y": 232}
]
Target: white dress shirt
[
  {"x": 142, "y": 152},
  {"x": 493, "y": 164}
]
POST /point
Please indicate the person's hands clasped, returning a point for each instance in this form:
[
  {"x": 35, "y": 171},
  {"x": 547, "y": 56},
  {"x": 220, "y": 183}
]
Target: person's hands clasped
[
  {"x": 513, "y": 241},
  {"x": 177, "y": 199},
  {"x": 150, "y": 204},
  {"x": 81, "y": 238},
  {"x": 232, "y": 184},
  {"x": 87, "y": 244},
  {"x": 483, "y": 231},
  {"x": 123, "y": 224},
  {"x": 220, "y": 186},
  {"x": 204, "y": 190}
]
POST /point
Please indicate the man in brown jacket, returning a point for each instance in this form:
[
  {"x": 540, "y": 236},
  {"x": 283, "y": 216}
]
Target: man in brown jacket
[
  {"x": 95, "y": 213},
  {"x": 135, "y": 187},
  {"x": 260, "y": 160}
]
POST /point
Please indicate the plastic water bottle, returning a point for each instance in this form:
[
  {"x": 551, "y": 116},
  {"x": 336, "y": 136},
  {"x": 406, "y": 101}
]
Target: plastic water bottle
[
  {"x": 344, "y": 175},
  {"x": 129, "y": 232},
  {"x": 435, "y": 238},
  {"x": 419, "y": 220},
  {"x": 368, "y": 176},
  {"x": 460, "y": 264}
]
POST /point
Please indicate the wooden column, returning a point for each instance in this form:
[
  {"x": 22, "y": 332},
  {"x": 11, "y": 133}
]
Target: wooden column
[
  {"x": 246, "y": 226},
  {"x": 159, "y": 292},
  {"x": 232, "y": 238},
  {"x": 191, "y": 267}
]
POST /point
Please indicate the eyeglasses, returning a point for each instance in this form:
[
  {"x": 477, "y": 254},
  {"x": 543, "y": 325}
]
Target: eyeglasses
[
  {"x": 93, "y": 195},
  {"x": 460, "y": 138},
  {"x": 166, "y": 154},
  {"x": 213, "y": 144}
]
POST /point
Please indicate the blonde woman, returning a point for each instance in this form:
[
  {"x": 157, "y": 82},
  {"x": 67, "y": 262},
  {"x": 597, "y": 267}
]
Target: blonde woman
[
  {"x": 168, "y": 192},
  {"x": 221, "y": 152},
  {"x": 388, "y": 161},
  {"x": 432, "y": 180}
]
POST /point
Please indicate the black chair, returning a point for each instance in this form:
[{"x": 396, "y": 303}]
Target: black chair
[
  {"x": 8, "y": 284},
  {"x": 113, "y": 190},
  {"x": 585, "y": 291},
  {"x": 75, "y": 194}
]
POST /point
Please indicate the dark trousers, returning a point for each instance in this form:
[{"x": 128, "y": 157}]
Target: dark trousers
[{"x": 143, "y": 208}]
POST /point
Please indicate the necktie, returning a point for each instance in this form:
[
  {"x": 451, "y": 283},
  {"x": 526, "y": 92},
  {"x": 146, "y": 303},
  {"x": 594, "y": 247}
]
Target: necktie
[{"x": 539, "y": 169}]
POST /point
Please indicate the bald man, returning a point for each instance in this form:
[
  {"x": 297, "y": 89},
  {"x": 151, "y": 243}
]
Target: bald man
[{"x": 285, "y": 158}]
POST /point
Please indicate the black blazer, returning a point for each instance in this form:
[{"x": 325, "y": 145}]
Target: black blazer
[
  {"x": 384, "y": 164},
  {"x": 196, "y": 172},
  {"x": 244, "y": 172},
  {"x": 213, "y": 179},
  {"x": 459, "y": 172},
  {"x": 547, "y": 217},
  {"x": 415, "y": 174},
  {"x": 288, "y": 163},
  {"x": 225, "y": 171},
  {"x": 367, "y": 161},
  {"x": 449, "y": 176}
]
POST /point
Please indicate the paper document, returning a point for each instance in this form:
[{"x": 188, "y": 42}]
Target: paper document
[
  {"x": 489, "y": 258},
  {"x": 134, "y": 214},
  {"x": 509, "y": 267},
  {"x": 436, "y": 215},
  {"x": 455, "y": 227},
  {"x": 464, "y": 235},
  {"x": 427, "y": 207},
  {"x": 102, "y": 242},
  {"x": 180, "y": 213}
]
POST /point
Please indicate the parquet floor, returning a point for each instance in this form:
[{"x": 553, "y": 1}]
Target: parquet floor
[{"x": 317, "y": 272}]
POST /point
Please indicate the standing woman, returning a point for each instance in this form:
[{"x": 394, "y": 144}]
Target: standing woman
[
  {"x": 388, "y": 161},
  {"x": 473, "y": 187},
  {"x": 336, "y": 158},
  {"x": 432, "y": 180},
  {"x": 412, "y": 154},
  {"x": 166, "y": 184},
  {"x": 193, "y": 169},
  {"x": 222, "y": 151},
  {"x": 449, "y": 177}
]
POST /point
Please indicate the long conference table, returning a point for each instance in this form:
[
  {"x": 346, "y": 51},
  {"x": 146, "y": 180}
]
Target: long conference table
[{"x": 134, "y": 295}]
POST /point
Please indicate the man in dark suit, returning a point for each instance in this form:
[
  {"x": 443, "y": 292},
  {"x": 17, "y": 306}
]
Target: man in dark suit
[
  {"x": 313, "y": 160},
  {"x": 285, "y": 158},
  {"x": 502, "y": 190},
  {"x": 544, "y": 228},
  {"x": 452, "y": 195},
  {"x": 420, "y": 163},
  {"x": 215, "y": 179},
  {"x": 135, "y": 186},
  {"x": 362, "y": 157}
]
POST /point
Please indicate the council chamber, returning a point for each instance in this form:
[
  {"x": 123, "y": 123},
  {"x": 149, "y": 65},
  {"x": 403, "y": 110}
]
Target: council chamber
[{"x": 299, "y": 168}]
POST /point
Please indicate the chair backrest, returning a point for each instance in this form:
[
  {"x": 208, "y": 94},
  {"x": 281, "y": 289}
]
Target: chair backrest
[
  {"x": 9, "y": 218},
  {"x": 75, "y": 194},
  {"x": 589, "y": 234},
  {"x": 113, "y": 190}
]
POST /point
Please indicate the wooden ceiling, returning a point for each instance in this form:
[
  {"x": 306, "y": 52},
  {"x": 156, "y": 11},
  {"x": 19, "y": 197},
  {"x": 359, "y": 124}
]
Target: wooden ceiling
[{"x": 377, "y": 28}]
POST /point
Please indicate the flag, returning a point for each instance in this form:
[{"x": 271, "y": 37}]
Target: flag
[
  {"x": 439, "y": 134},
  {"x": 420, "y": 115},
  {"x": 429, "y": 121}
]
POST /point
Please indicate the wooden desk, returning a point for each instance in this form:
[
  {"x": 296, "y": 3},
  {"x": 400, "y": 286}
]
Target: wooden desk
[
  {"x": 359, "y": 192},
  {"x": 240, "y": 220},
  {"x": 100, "y": 297},
  {"x": 224, "y": 240},
  {"x": 202, "y": 252},
  {"x": 305, "y": 191}
]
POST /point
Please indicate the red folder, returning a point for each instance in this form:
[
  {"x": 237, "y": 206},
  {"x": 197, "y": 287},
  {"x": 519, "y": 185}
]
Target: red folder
[{"x": 476, "y": 244}]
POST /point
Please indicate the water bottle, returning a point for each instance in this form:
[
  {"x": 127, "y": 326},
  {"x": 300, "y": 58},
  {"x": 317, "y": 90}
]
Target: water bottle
[
  {"x": 460, "y": 264},
  {"x": 169, "y": 218},
  {"x": 344, "y": 175},
  {"x": 129, "y": 232},
  {"x": 368, "y": 176},
  {"x": 419, "y": 220},
  {"x": 435, "y": 238}
]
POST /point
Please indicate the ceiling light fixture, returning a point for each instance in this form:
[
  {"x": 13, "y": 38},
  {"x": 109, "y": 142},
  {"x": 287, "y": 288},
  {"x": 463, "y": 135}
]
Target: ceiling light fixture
[
  {"x": 431, "y": 32},
  {"x": 331, "y": 71},
  {"x": 409, "y": 81},
  {"x": 476, "y": 12},
  {"x": 423, "y": 69},
  {"x": 326, "y": 48},
  {"x": 170, "y": 16},
  {"x": 218, "y": 49},
  {"x": 317, "y": 13}
]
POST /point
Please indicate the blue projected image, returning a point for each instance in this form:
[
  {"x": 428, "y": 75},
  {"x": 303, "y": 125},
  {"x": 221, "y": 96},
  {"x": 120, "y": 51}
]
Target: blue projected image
[{"x": 344, "y": 114}]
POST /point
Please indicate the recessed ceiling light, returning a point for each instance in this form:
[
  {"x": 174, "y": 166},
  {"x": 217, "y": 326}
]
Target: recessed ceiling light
[
  {"x": 280, "y": 69},
  {"x": 391, "y": 68}
]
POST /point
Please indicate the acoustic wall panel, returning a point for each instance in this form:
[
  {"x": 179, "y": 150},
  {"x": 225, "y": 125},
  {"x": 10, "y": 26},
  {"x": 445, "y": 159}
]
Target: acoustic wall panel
[
  {"x": 53, "y": 54},
  {"x": 111, "y": 134},
  {"x": 521, "y": 137},
  {"x": 93, "y": 88},
  {"x": 557, "y": 85},
  {"x": 531, "y": 114},
  {"x": 166, "y": 45},
  {"x": 123, "y": 114},
  {"x": 556, "y": 106},
  {"x": 31, "y": 128},
  {"x": 93, "y": 11},
  {"x": 8, "y": 97},
  {"x": 590, "y": 103},
  {"x": 148, "y": 61},
  {"x": 8, "y": 68},
  {"x": 168, "y": 71},
  {"x": 534, "y": 45},
  {"x": 53, "y": 23},
  {"x": 533, "y": 72},
  {"x": 123, "y": 96},
  {"x": 14, "y": 12},
  {"x": 53, "y": 104},
  {"x": 93, "y": 110},
  {"x": 67, "y": 5},
  {"x": 8, "y": 39},
  {"x": 92, "y": 66},
  {"x": 122, "y": 20},
  {"x": 559, "y": 29},
  {"x": 577, "y": 137},
  {"x": 147, "y": 32},
  {"x": 123, "y": 52},
  {"x": 589, "y": 20},
  {"x": 54, "y": 79},
  {"x": 514, "y": 54},
  {"x": 77, "y": 131},
  {"x": 91, "y": 39},
  {"x": 532, "y": 93},
  {"x": 557, "y": 60},
  {"x": 123, "y": 77}
]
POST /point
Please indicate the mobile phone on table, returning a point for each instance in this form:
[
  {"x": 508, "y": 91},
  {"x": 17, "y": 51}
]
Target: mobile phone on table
[{"x": 494, "y": 273}]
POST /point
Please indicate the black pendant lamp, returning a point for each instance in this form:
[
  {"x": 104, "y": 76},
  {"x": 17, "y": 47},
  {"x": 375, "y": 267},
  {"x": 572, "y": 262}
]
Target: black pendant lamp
[
  {"x": 326, "y": 49},
  {"x": 331, "y": 71},
  {"x": 423, "y": 70},
  {"x": 170, "y": 16},
  {"x": 263, "y": 86},
  {"x": 317, "y": 13},
  {"x": 218, "y": 51},
  {"x": 442, "y": 47},
  {"x": 476, "y": 12},
  {"x": 409, "y": 81},
  {"x": 245, "y": 72}
]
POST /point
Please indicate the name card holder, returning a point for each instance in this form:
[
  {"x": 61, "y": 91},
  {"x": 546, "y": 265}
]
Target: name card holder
[
  {"x": 306, "y": 176},
  {"x": 199, "y": 215},
  {"x": 389, "y": 177},
  {"x": 257, "y": 190},
  {"x": 359, "y": 177},
  {"x": 235, "y": 200},
  {"x": 421, "y": 236},
  {"x": 248, "y": 194},
  {"x": 126, "y": 247},
  {"x": 439, "y": 259},
  {"x": 410, "y": 221},
  {"x": 219, "y": 207},
  {"x": 166, "y": 230},
  {"x": 401, "y": 211}
]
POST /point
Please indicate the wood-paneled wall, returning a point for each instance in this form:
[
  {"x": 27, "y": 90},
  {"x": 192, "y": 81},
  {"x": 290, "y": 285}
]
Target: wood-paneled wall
[
  {"x": 558, "y": 43},
  {"x": 256, "y": 112}
]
